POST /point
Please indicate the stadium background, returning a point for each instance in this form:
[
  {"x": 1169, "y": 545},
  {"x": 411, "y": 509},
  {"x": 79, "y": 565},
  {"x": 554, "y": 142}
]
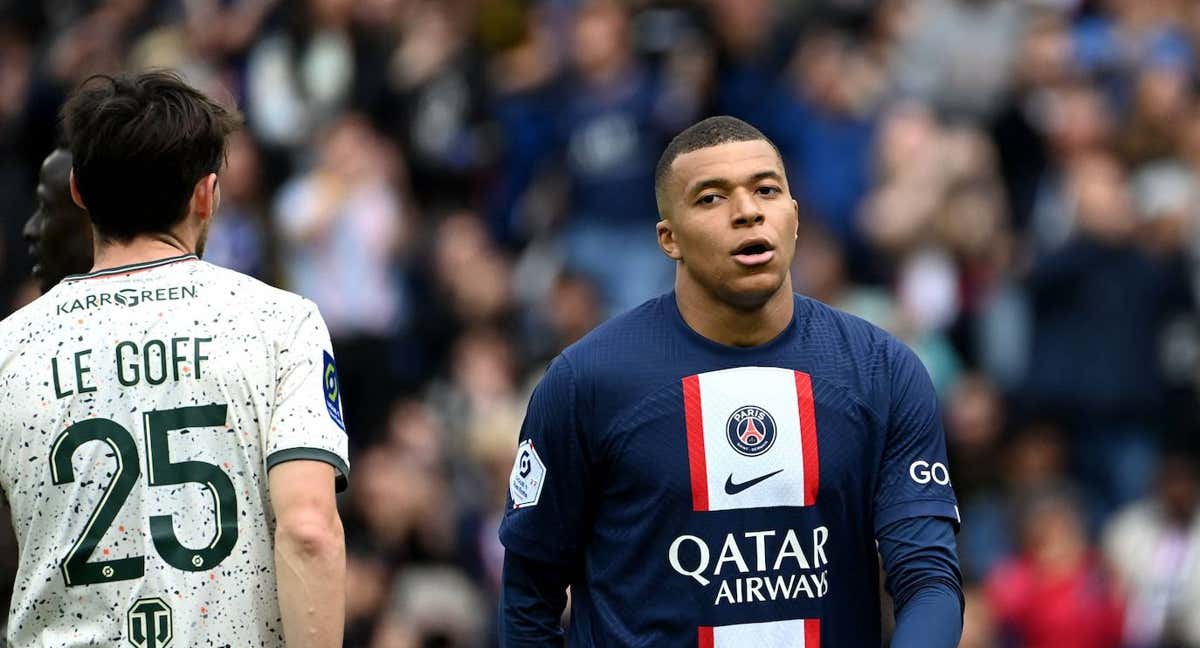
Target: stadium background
[{"x": 1010, "y": 186}]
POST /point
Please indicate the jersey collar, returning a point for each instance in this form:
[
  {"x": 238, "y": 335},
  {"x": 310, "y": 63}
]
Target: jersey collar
[{"x": 132, "y": 267}]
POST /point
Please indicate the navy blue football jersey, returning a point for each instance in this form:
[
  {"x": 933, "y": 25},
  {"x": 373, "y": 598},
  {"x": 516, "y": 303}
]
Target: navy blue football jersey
[{"x": 706, "y": 495}]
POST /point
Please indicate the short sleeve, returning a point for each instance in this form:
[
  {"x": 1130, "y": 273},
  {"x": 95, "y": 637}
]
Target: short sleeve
[
  {"x": 548, "y": 486},
  {"x": 306, "y": 421},
  {"x": 914, "y": 473}
]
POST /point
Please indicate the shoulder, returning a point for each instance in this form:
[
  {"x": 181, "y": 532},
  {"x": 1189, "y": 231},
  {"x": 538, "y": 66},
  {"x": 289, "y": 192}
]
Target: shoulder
[
  {"x": 626, "y": 338},
  {"x": 264, "y": 302},
  {"x": 870, "y": 360},
  {"x": 853, "y": 337},
  {"x": 27, "y": 325}
]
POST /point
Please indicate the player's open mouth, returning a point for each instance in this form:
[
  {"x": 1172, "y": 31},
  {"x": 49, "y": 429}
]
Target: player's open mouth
[{"x": 754, "y": 252}]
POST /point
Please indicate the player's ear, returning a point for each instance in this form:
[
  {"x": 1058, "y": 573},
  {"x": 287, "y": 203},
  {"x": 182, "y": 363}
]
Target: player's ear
[
  {"x": 796, "y": 210},
  {"x": 205, "y": 196},
  {"x": 667, "y": 240},
  {"x": 76, "y": 197}
]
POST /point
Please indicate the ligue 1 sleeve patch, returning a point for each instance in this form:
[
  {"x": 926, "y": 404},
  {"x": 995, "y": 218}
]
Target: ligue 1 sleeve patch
[
  {"x": 333, "y": 392},
  {"x": 528, "y": 476}
]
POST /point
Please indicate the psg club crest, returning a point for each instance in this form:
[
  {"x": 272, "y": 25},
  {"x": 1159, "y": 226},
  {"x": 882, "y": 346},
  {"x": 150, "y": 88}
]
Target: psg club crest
[{"x": 751, "y": 430}]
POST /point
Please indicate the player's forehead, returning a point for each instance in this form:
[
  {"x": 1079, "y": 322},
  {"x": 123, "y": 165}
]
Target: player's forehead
[
  {"x": 56, "y": 170},
  {"x": 730, "y": 162}
]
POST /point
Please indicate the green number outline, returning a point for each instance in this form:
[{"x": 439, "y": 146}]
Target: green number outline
[
  {"x": 76, "y": 568},
  {"x": 162, "y": 472}
]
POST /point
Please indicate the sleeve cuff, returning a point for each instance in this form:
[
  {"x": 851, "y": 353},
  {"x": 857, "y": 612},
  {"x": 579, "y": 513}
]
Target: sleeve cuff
[
  {"x": 313, "y": 454},
  {"x": 917, "y": 508}
]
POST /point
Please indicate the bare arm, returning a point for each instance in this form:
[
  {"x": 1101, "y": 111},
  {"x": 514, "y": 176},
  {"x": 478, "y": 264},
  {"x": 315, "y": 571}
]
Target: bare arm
[{"x": 310, "y": 554}]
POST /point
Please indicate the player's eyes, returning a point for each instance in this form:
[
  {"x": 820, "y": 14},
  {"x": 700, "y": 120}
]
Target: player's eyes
[
  {"x": 708, "y": 199},
  {"x": 768, "y": 190}
]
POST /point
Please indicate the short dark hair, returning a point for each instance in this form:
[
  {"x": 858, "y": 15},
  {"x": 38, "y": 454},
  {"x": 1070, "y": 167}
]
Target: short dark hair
[
  {"x": 140, "y": 144},
  {"x": 712, "y": 131}
]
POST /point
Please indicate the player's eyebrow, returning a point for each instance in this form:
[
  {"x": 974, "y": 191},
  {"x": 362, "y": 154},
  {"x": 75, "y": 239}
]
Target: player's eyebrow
[
  {"x": 725, "y": 183},
  {"x": 771, "y": 174},
  {"x": 708, "y": 183}
]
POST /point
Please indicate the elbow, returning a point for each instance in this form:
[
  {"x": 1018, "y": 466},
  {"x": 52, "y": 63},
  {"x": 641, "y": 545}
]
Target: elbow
[{"x": 312, "y": 536}]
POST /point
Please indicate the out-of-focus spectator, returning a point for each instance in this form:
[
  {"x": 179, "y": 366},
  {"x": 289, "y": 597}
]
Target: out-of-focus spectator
[
  {"x": 979, "y": 628},
  {"x": 612, "y": 134},
  {"x": 974, "y": 415},
  {"x": 1055, "y": 594},
  {"x": 434, "y": 606},
  {"x": 1099, "y": 306},
  {"x": 1111, "y": 45},
  {"x": 301, "y": 76},
  {"x": 1160, "y": 102},
  {"x": 752, "y": 48},
  {"x": 239, "y": 236},
  {"x": 342, "y": 226},
  {"x": 433, "y": 99},
  {"x": 824, "y": 125},
  {"x": 1154, "y": 546},
  {"x": 959, "y": 53},
  {"x": 1033, "y": 461},
  {"x": 570, "y": 310},
  {"x": 399, "y": 504}
]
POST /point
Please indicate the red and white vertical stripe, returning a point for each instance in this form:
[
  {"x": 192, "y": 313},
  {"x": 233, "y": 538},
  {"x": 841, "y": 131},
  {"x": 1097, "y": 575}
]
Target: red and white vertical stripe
[
  {"x": 794, "y": 633},
  {"x": 710, "y": 399}
]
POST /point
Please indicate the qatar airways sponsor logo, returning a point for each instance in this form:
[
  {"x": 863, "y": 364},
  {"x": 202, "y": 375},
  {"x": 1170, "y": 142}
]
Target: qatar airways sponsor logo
[{"x": 756, "y": 566}]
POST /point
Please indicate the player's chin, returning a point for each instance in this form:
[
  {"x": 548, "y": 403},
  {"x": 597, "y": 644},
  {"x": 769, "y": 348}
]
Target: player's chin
[{"x": 754, "y": 289}]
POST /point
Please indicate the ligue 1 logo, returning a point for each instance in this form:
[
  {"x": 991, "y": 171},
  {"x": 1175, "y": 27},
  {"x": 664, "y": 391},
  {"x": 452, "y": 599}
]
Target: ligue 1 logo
[{"x": 751, "y": 430}]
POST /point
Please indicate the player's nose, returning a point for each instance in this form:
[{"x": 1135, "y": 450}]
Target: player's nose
[
  {"x": 746, "y": 210},
  {"x": 32, "y": 228}
]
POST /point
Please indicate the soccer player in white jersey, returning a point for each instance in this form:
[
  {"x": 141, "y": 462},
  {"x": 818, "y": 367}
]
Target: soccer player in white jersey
[{"x": 171, "y": 437}]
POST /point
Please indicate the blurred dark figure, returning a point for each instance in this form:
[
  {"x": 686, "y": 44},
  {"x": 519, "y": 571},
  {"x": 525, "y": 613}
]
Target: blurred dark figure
[
  {"x": 59, "y": 233},
  {"x": 979, "y": 624},
  {"x": 570, "y": 310},
  {"x": 1099, "y": 306},
  {"x": 1034, "y": 461},
  {"x": 1160, "y": 103},
  {"x": 1154, "y": 546},
  {"x": 611, "y": 133},
  {"x": 430, "y": 95},
  {"x": 1055, "y": 594},
  {"x": 824, "y": 124},
  {"x": 1024, "y": 124},
  {"x": 974, "y": 413},
  {"x": 433, "y": 607},
  {"x": 238, "y": 238},
  {"x": 342, "y": 228},
  {"x": 753, "y": 44}
]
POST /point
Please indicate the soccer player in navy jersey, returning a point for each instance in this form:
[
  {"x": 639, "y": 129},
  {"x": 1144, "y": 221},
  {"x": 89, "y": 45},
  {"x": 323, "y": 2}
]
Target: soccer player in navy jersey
[{"x": 722, "y": 465}]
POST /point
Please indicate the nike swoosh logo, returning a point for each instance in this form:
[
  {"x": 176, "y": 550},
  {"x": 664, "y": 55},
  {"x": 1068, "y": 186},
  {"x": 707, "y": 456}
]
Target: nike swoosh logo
[{"x": 733, "y": 489}]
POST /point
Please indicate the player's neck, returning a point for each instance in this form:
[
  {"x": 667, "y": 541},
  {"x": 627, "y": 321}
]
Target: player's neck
[
  {"x": 727, "y": 324},
  {"x": 140, "y": 249}
]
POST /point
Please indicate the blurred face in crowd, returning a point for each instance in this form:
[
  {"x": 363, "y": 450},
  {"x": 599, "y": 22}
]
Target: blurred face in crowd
[
  {"x": 1102, "y": 202},
  {"x": 731, "y": 222},
  {"x": 1053, "y": 534},
  {"x": 600, "y": 37},
  {"x": 742, "y": 25},
  {"x": 240, "y": 177},
  {"x": 1078, "y": 119},
  {"x": 1179, "y": 489},
  {"x": 59, "y": 233},
  {"x": 1046, "y": 53}
]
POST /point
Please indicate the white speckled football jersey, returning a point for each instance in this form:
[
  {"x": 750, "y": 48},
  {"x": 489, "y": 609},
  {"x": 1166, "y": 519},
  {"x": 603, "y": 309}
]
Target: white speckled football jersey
[{"x": 143, "y": 407}]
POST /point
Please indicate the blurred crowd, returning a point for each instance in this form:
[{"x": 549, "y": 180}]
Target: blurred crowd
[{"x": 465, "y": 187}]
